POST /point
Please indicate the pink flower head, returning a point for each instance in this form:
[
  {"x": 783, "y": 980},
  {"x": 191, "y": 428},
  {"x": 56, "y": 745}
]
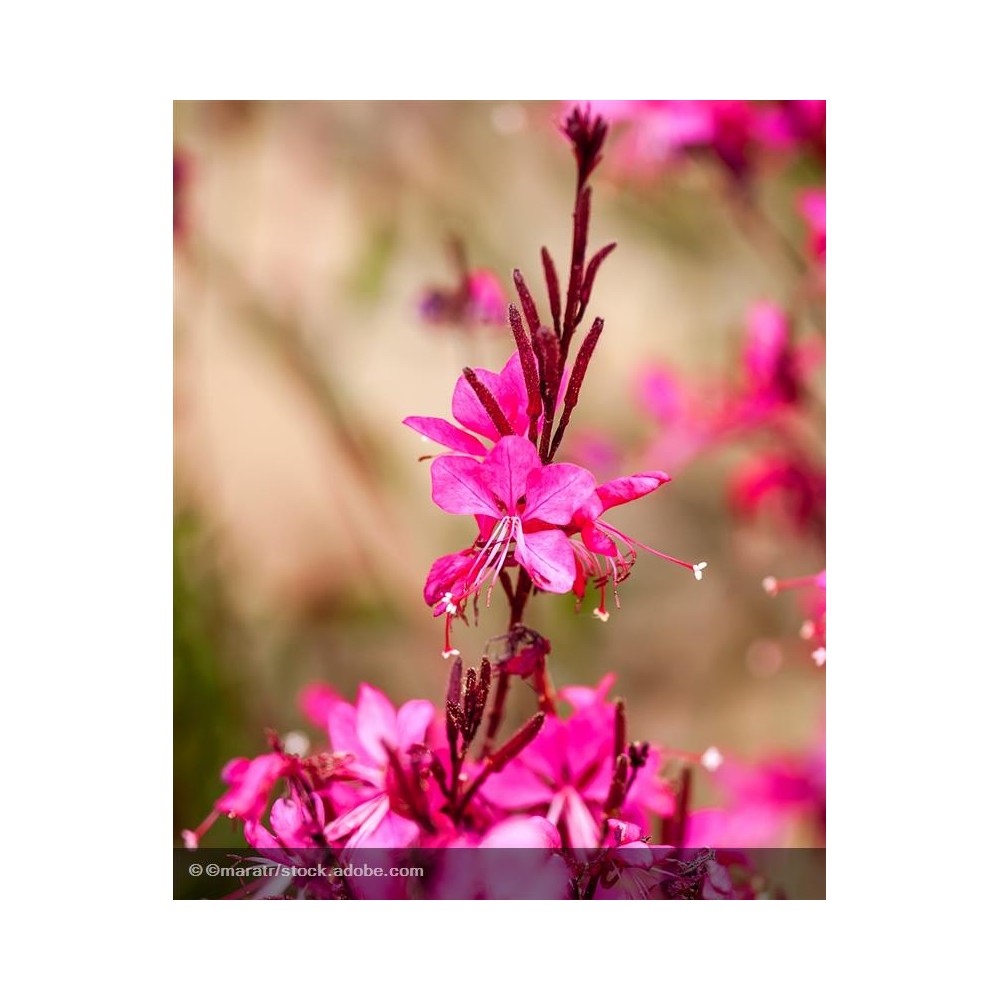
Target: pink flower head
[
  {"x": 373, "y": 813},
  {"x": 519, "y": 505},
  {"x": 601, "y": 541}
]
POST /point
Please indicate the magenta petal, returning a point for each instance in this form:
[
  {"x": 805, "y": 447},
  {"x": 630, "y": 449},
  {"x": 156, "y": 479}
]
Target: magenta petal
[
  {"x": 556, "y": 492},
  {"x": 597, "y": 541},
  {"x": 360, "y": 820},
  {"x": 628, "y": 488},
  {"x": 316, "y": 701},
  {"x": 581, "y": 827},
  {"x": 376, "y": 721},
  {"x": 446, "y": 572},
  {"x": 447, "y": 434},
  {"x": 412, "y": 722},
  {"x": 548, "y": 558},
  {"x": 505, "y": 471},
  {"x": 342, "y": 725},
  {"x": 456, "y": 486},
  {"x": 516, "y": 787},
  {"x": 523, "y": 831},
  {"x": 467, "y": 409},
  {"x": 512, "y": 395}
]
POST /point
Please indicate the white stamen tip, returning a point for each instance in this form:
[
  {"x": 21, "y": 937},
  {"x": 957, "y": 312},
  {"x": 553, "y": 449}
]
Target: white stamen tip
[
  {"x": 808, "y": 629},
  {"x": 712, "y": 759},
  {"x": 190, "y": 839},
  {"x": 424, "y": 437},
  {"x": 698, "y": 567},
  {"x": 819, "y": 655},
  {"x": 451, "y": 608},
  {"x": 448, "y": 653},
  {"x": 770, "y": 585},
  {"x": 296, "y": 743},
  {"x": 603, "y": 615}
]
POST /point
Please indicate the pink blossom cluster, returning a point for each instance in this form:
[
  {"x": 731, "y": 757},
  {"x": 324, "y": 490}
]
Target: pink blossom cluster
[{"x": 570, "y": 791}]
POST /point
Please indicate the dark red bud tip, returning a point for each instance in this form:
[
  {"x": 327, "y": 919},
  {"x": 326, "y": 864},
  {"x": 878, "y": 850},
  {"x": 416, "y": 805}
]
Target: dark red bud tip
[{"x": 587, "y": 132}]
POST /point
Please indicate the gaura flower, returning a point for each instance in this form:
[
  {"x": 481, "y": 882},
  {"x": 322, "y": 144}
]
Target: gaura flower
[
  {"x": 599, "y": 540},
  {"x": 520, "y": 506},
  {"x": 369, "y": 732}
]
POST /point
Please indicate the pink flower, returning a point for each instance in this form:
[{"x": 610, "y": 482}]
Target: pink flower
[
  {"x": 487, "y": 298},
  {"x": 373, "y": 815},
  {"x": 519, "y": 505},
  {"x": 769, "y": 803},
  {"x": 788, "y": 486},
  {"x": 600, "y": 540}
]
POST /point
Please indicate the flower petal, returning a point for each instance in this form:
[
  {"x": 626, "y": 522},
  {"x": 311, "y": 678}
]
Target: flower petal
[
  {"x": 412, "y": 722},
  {"x": 447, "y": 434},
  {"x": 548, "y": 558},
  {"x": 506, "y": 470},
  {"x": 456, "y": 486},
  {"x": 628, "y": 488},
  {"x": 376, "y": 721},
  {"x": 554, "y": 493}
]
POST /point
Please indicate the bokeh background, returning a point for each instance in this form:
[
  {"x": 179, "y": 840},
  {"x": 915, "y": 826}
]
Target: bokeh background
[{"x": 306, "y": 236}]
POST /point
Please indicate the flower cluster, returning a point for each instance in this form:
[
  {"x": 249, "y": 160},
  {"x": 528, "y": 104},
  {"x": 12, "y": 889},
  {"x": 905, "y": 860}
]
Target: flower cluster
[{"x": 570, "y": 792}]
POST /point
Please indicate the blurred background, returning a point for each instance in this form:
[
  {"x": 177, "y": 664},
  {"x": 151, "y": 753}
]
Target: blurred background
[{"x": 306, "y": 237}]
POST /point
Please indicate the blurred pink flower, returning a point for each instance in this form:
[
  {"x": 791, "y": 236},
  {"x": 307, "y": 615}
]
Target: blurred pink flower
[{"x": 767, "y": 803}]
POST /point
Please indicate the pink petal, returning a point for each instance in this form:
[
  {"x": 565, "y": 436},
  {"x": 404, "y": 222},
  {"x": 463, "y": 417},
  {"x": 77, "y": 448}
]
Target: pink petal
[
  {"x": 342, "y": 725},
  {"x": 447, "y": 434},
  {"x": 597, "y": 541},
  {"x": 445, "y": 574},
  {"x": 555, "y": 492},
  {"x": 506, "y": 469},
  {"x": 628, "y": 488},
  {"x": 581, "y": 827},
  {"x": 516, "y": 787},
  {"x": 507, "y": 388},
  {"x": 580, "y": 697},
  {"x": 376, "y": 721},
  {"x": 548, "y": 558},
  {"x": 512, "y": 395},
  {"x": 457, "y": 487},
  {"x": 316, "y": 701},
  {"x": 523, "y": 831},
  {"x": 412, "y": 722},
  {"x": 361, "y": 819}
]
